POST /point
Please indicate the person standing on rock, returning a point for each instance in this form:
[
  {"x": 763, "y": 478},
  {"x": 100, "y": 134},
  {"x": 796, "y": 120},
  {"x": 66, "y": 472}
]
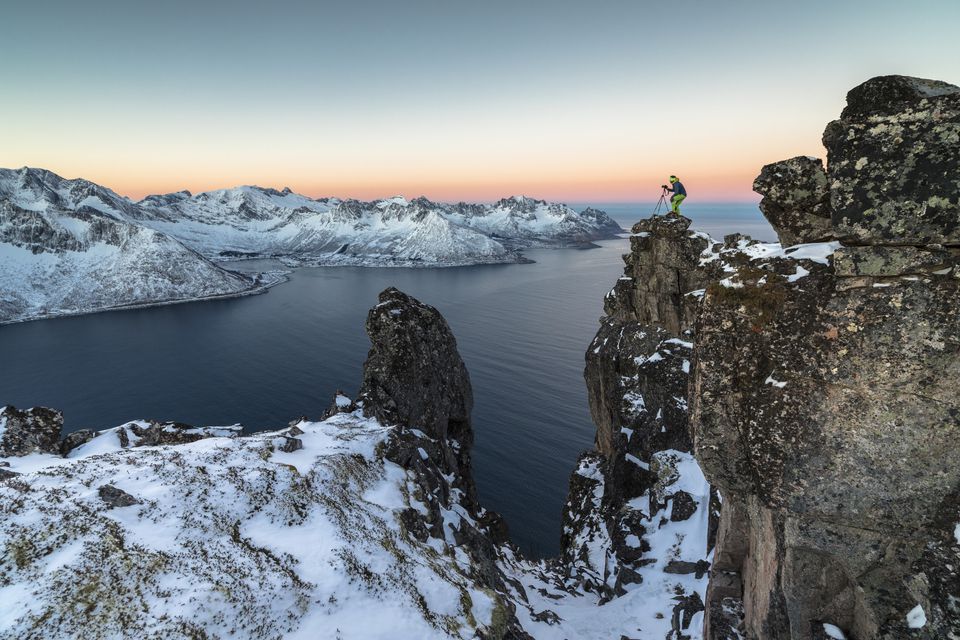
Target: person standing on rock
[{"x": 679, "y": 194}]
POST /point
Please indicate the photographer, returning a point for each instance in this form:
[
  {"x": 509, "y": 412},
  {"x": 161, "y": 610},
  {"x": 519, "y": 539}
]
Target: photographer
[{"x": 679, "y": 194}]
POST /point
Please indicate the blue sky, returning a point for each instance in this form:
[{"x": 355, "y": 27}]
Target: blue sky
[{"x": 568, "y": 100}]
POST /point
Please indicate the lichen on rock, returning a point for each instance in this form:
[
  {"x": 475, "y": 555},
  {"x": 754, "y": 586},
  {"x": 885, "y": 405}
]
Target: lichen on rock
[{"x": 831, "y": 426}]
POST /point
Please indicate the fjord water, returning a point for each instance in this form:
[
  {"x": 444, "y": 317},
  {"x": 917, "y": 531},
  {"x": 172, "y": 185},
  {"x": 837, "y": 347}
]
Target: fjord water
[{"x": 265, "y": 360}]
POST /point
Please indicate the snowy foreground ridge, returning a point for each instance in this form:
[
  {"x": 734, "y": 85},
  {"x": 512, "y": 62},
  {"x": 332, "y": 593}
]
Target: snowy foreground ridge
[
  {"x": 72, "y": 246},
  {"x": 363, "y": 524},
  {"x": 237, "y": 537}
]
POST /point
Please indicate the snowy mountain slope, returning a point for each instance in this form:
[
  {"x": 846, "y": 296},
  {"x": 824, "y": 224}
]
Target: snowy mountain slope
[
  {"x": 256, "y": 221},
  {"x": 67, "y": 247},
  {"x": 253, "y": 220},
  {"x": 250, "y": 537},
  {"x": 526, "y": 222}
]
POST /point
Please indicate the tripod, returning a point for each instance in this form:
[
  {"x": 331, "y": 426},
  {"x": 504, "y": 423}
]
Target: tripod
[{"x": 663, "y": 203}]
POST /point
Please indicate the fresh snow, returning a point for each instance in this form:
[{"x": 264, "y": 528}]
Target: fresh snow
[
  {"x": 637, "y": 461},
  {"x": 833, "y": 631},
  {"x": 916, "y": 617},
  {"x": 236, "y": 538},
  {"x": 819, "y": 252},
  {"x": 780, "y": 384}
]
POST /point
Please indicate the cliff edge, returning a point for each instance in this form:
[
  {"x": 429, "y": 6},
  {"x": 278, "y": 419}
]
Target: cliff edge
[
  {"x": 825, "y": 409},
  {"x": 813, "y": 381}
]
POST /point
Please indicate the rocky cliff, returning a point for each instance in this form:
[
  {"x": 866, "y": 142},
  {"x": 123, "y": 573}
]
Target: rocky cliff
[
  {"x": 825, "y": 409},
  {"x": 641, "y": 517},
  {"x": 815, "y": 382}
]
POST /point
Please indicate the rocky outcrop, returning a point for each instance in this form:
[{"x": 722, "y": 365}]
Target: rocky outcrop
[
  {"x": 26, "y": 432},
  {"x": 638, "y": 512},
  {"x": 892, "y": 162},
  {"x": 414, "y": 375},
  {"x": 796, "y": 200},
  {"x": 415, "y": 379},
  {"x": 662, "y": 268},
  {"x": 824, "y": 405}
]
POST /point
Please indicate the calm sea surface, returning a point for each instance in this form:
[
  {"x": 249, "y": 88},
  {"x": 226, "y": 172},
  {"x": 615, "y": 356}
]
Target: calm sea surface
[{"x": 264, "y": 360}]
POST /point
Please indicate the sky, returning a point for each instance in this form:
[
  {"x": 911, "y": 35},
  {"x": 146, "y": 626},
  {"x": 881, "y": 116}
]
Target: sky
[{"x": 574, "y": 101}]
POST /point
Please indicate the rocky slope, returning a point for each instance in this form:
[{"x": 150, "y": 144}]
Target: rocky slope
[
  {"x": 362, "y": 524},
  {"x": 68, "y": 247},
  {"x": 248, "y": 221}
]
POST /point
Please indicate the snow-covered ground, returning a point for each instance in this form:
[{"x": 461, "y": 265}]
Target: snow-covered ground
[{"x": 236, "y": 537}]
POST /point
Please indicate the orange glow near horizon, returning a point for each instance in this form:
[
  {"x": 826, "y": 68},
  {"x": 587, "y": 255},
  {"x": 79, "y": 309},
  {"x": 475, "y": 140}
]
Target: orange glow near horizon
[{"x": 597, "y": 183}]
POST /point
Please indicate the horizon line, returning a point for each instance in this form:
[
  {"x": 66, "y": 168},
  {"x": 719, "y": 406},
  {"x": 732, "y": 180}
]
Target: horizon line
[{"x": 134, "y": 195}]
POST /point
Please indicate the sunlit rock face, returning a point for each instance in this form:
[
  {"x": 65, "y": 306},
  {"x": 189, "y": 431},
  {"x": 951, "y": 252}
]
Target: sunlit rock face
[{"x": 825, "y": 407}]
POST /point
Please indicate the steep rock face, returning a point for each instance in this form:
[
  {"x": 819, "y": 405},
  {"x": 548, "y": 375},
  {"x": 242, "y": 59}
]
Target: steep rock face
[
  {"x": 824, "y": 405},
  {"x": 414, "y": 377},
  {"x": 638, "y": 515},
  {"x": 662, "y": 268},
  {"x": 892, "y": 161},
  {"x": 796, "y": 200}
]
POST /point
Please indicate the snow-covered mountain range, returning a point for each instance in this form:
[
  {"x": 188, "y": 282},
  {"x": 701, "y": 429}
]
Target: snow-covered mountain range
[
  {"x": 73, "y": 246},
  {"x": 246, "y": 221}
]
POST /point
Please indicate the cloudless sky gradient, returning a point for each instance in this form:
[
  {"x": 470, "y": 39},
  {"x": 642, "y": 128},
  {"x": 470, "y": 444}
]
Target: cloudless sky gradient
[{"x": 574, "y": 101}]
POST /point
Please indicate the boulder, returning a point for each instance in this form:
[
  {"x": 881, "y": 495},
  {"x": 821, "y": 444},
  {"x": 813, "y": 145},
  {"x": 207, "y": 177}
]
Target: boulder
[
  {"x": 74, "y": 439},
  {"x": 115, "y": 497},
  {"x": 892, "y": 161},
  {"x": 796, "y": 200},
  {"x": 290, "y": 445},
  {"x": 29, "y": 431}
]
